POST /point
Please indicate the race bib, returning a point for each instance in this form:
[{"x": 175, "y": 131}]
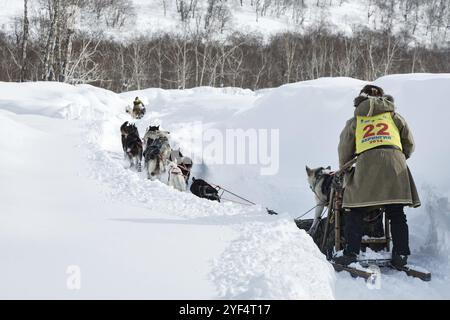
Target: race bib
[{"x": 376, "y": 131}]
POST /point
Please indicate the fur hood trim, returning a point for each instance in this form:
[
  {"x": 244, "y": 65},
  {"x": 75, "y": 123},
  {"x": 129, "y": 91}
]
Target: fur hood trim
[{"x": 371, "y": 106}]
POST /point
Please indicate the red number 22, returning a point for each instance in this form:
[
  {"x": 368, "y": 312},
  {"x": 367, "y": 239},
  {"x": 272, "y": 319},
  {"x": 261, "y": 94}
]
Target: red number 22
[{"x": 382, "y": 132}]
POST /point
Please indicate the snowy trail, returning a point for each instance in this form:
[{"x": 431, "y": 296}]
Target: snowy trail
[
  {"x": 253, "y": 263},
  {"x": 73, "y": 223},
  {"x": 69, "y": 201}
]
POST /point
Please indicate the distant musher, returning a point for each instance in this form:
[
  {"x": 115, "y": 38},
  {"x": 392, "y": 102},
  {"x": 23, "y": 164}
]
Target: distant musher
[{"x": 138, "y": 110}]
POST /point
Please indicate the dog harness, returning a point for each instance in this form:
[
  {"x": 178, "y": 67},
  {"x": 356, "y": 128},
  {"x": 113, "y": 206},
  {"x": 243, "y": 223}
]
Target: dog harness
[
  {"x": 326, "y": 185},
  {"x": 376, "y": 131}
]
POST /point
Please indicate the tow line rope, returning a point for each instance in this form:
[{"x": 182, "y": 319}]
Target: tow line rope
[
  {"x": 234, "y": 201},
  {"x": 233, "y": 194},
  {"x": 323, "y": 212},
  {"x": 247, "y": 202}
]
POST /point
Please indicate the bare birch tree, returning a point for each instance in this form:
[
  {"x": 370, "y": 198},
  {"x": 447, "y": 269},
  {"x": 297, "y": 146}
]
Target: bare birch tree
[{"x": 25, "y": 35}]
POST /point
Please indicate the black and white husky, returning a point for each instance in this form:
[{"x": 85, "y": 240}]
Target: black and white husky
[
  {"x": 319, "y": 181},
  {"x": 127, "y": 129},
  {"x": 132, "y": 145}
]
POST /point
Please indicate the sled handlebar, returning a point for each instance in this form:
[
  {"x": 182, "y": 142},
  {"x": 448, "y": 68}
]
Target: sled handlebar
[{"x": 346, "y": 166}]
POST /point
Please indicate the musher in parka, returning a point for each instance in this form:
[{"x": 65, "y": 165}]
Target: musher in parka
[
  {"x": 137, "y": 104},
  {"x": 138, "y": 108},
  {"x": 383, "y": 142}
]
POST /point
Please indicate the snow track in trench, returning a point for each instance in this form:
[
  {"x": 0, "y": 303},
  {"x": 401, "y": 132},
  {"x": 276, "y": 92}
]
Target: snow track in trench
[{"x": 269, "y": 258}]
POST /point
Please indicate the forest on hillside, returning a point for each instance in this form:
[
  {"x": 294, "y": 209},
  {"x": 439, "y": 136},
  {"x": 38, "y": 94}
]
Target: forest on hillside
[{"x": 56, "y": 42}]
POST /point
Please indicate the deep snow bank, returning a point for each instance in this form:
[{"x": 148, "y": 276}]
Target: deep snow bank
[
  {"x": 59, "y": 100},
  {"x": 273, "y": 260},
  {"x": 423, "y": 100}
]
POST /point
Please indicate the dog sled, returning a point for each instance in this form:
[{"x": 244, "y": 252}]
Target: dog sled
[
  {"x": 136, "y": 112},
  {"x": 329, "y": 236}
]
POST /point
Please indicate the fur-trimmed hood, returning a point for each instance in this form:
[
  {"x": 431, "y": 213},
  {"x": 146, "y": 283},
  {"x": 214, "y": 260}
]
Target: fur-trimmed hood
[{"x": 371, "y": 106}]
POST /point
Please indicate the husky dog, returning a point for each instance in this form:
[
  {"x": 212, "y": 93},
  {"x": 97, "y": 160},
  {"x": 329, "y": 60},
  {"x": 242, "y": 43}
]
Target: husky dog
[
  {"x": 153, "y": 133},
  {"x": 133, "y": 145},
  {"x": 319, "y": 180},
  {"x": 176, "y": 178},
  {"x": 186, "y": 167},
  {"x": 184, "y": 163},
  {"x": 176, "y": 155},
  {"x": 125, "y": 129},
  {"x": 203, "y": 189},
  {"x": 131, "y": 140},
  {"x": 156, "y": 155}
]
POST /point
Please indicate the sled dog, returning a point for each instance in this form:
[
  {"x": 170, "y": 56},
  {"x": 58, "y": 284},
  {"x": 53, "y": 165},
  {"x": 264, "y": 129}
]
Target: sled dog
[
  {"x": 126, "y": 129},
  {"x": 203, "y": 189},
  {"x": 319, "y": 181},
  {"x": 152, "y": 134},
  {"x": 176, "y": 178},
  {"x": 184, "y": 163},
  {"x": 134, "y": 150},
  {"x": 131, "y": 145},
  {"x": 156, "y": 155}
]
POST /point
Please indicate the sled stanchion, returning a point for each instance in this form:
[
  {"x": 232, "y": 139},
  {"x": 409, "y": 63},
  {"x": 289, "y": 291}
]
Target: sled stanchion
[
  {"x": 337, "y": 219},
  {"x": 387, "y": 232},
  {"x": 336, "y": 205},
  {"x": 337, "y": 230},
  {"x": 328, "y": 220}
]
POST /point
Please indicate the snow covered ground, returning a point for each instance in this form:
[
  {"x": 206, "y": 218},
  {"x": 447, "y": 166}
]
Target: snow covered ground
[{"x": 68, "y": 200}]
